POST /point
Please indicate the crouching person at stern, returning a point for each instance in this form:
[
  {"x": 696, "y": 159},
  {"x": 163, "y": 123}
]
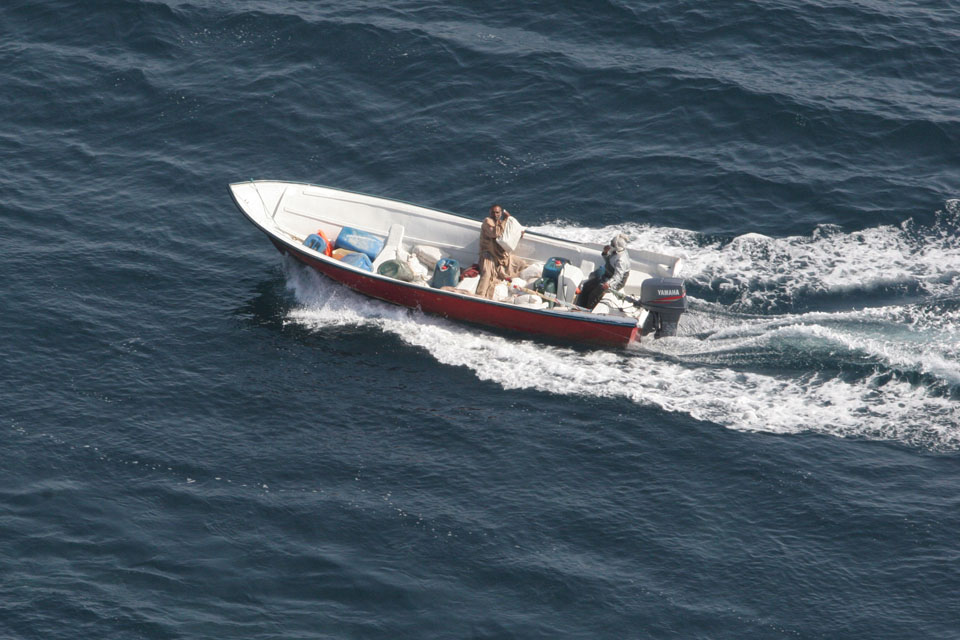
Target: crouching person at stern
[{"x": 616, "y": 268}]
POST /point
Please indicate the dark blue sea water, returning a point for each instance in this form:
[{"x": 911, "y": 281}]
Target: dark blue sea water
[{"x": 204, "y": 440}]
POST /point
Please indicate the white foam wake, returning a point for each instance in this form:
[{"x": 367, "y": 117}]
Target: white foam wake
[
  {"x": 689, "y": 375},
  {"x": 905, "y": 339},
  {"x": 758, "y": 272}
]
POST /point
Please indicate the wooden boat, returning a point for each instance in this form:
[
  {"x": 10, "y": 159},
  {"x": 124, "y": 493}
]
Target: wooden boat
[{"x": 289, "y": 212}]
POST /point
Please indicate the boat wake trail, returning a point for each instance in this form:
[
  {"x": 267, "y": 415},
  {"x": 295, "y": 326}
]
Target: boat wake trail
[
  {"x": 828, "y": 270},
  {"x": 885, "y": 365}
]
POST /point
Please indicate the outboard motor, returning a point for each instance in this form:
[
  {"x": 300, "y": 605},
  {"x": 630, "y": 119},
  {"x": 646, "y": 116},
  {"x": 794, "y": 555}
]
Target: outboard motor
[{"x": 665, "y": 299}]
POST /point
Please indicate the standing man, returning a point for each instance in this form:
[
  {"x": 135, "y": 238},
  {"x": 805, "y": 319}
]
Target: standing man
[
  {"x": 495, "y": 261},
  {"x": 616, "y": 268}
]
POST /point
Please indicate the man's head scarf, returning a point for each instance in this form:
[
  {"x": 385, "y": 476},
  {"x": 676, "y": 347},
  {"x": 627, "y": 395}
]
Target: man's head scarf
[{"x": 619, "y": 243}]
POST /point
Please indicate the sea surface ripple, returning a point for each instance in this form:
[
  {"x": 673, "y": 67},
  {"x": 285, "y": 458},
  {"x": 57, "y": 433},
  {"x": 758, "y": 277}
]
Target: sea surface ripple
[{"x": 203, "y": 439}]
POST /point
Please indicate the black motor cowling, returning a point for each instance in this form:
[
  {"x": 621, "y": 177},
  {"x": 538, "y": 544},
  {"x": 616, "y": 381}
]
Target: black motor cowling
[{"x": 665, "y": 299}]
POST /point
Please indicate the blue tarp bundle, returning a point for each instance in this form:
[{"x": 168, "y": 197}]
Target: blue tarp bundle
[
  {"x": 358, "y": 260},
  {"x": 356, "y": 240}
]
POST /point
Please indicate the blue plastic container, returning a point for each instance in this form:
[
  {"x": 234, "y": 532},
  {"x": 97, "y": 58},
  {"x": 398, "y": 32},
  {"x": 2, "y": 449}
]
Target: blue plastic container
[
  {"x": 446, "y": 273},
  {"x": 358, "y": 260},
  {"x": 316, "y": 242},
  {"x": 356, "y": 240},
  {"x": 552, "y": 268}
]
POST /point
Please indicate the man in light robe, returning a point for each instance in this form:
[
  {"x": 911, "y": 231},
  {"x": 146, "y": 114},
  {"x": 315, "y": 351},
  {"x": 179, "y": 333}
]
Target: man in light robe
[{"x": 495, "y": 262}]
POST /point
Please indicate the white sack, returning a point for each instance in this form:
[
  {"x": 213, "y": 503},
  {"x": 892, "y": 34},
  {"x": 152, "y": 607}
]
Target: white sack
[
  {"x": 528, "y": 300},
  {"x": 532, "y": 272},
  {"x": 419, "y": 271},
  {"x": 469, "y": 284},
  {"x": 510, "y": 237},
  {"x": 427, "y": 255}
]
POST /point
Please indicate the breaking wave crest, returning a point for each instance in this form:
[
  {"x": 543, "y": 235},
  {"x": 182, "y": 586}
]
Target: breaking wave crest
[{"x": 745, "y": 358}]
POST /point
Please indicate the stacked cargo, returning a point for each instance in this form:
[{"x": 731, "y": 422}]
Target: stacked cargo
[
  {"x": 538, "y": 285},
  {"x": 352, "y": 246}
]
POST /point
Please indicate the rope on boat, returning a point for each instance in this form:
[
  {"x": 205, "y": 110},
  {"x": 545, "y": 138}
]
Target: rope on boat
[{"x": 265, "y": 210}]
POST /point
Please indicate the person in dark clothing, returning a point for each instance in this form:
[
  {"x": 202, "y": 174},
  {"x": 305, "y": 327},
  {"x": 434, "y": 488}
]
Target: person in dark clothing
[{"x": 611, "y": 277}]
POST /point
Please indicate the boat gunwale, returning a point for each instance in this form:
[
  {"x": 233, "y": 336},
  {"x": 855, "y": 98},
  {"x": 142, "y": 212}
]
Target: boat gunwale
[{"x": 411, "y": 204}]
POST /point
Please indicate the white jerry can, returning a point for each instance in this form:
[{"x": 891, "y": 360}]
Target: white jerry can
[
  {"x": 512, "y": 231},
  {"x": 570, "y": 278}
]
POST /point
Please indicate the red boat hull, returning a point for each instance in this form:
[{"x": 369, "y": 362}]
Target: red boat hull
[{"x": 573, "y": 327}]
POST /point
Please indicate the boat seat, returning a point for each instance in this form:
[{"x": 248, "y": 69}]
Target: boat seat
[
  {"x": 587, "y": 268},
  {"x": 391, "y": 247},
  {"x": 634, "y": 280}
]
